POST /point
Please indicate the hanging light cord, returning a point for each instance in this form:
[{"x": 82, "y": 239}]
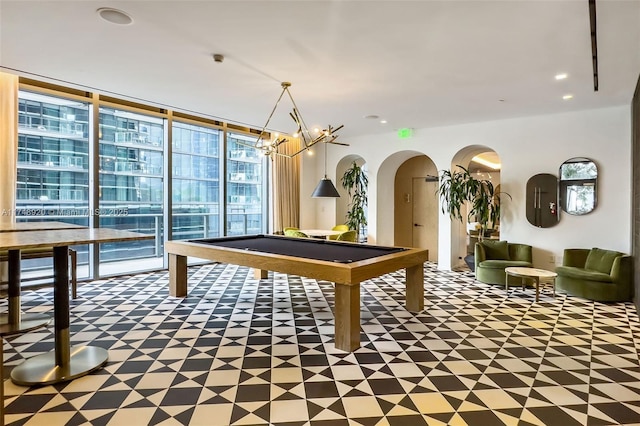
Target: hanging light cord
[{"x": 325, "y": 160}]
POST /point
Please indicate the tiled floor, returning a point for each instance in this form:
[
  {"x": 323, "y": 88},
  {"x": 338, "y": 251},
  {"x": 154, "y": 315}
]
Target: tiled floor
[{"x": 235, "y": 352}]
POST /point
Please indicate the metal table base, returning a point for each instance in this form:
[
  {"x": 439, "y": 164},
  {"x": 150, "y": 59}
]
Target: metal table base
[
  {"x": 43, "y": 370},
  {"x": 26, "y": 323},
  {"x": 65, "y": 362},
  {"x": 10, "y": 330}
]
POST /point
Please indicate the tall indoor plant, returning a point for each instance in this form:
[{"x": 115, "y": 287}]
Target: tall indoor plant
[
  {"x": 355, "y": 181},
  {"x": 459, "y": 188}
]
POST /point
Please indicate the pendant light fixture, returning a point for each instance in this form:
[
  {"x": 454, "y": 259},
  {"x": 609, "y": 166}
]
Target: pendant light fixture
[
  {"x": 271, "y": 147},
  {"x": 325, "y": 188}
]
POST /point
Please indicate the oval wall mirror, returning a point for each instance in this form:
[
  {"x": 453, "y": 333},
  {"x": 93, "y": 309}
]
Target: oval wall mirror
[{"x": 578, "y": 185}]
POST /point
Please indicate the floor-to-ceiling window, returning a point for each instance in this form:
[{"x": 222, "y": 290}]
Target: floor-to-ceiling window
[
  {"x": 66, "y": 137},
  {"x": 53, "y": 164},
  {"x": 196, "y": 181},
  {"x": 246, "y": 211},
  {"x": 131, "y": 181}
]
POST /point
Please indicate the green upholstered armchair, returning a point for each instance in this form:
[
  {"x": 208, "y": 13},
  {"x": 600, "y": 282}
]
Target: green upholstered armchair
[
  {"x": 348, "y": 236},
  {"x": 341, "y": 228},
  {"x": 295, "y": 233},
  {"x": 492, "y": 257},
  {"x": 596, "y": 274}
]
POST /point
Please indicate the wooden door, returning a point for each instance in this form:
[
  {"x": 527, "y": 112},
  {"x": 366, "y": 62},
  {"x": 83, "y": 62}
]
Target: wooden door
[{"x": 425, "y": 216}]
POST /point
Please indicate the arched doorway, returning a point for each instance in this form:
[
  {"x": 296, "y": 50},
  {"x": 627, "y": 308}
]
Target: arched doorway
[
  {"x": 342, "y": 203},
  {"x": 484, "y": 164},
  {"x": 416, "y": 205}
]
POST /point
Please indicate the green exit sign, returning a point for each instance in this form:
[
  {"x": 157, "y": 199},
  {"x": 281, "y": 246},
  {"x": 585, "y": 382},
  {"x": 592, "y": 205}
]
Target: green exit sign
[{"x": 405, "y": 133}]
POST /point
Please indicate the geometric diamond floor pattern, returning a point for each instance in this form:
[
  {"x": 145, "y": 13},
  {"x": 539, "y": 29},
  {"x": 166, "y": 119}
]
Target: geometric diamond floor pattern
[{"x": 238, "y": 351}]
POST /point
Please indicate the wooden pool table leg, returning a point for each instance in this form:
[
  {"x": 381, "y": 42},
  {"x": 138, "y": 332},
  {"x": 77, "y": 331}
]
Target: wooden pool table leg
[
  {"x": 177, "y": 275},
  {"x": 415, "y": 288},
  {"x": 260, "y": 274},
  {"x": 347, "y": 312}
]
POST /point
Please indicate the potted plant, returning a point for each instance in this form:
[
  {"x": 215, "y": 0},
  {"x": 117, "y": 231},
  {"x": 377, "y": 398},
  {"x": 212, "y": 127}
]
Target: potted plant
[
  {"x": 355, "y": 181},
  {"x": 459, "y": 189}
]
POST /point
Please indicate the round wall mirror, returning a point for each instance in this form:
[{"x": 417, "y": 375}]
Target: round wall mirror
[{"x": 578, "y": 185}]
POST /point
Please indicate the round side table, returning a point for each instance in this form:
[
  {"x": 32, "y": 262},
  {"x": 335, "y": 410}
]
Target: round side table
[{"x": 534, "y": 274}]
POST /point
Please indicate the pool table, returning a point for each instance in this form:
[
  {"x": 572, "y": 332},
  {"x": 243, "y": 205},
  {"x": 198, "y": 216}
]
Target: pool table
[{"x": 345, "y": 264}]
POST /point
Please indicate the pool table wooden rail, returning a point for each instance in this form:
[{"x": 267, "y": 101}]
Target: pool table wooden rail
[{"x": 345, "y": 273}]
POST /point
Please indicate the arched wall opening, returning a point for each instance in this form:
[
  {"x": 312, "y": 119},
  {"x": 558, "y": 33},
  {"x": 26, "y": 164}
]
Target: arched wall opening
[
  {"x": 453, "y": 244},
  {"x": 385, "y": 195},
  {"x": 487, "y": 166},
  {"x": 342, "y": 203},
  {"x": 416, "y": 218}
]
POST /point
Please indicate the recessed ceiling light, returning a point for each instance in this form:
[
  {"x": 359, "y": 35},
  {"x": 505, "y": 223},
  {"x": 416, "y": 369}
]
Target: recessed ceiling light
[
  {"x": 383, "y": 121},
  {"x": 567, "y": 97},
  {"x": 561, "y": 76},
  {"x": 115, "y": 16},
  {"x": 371, "y": 117}
]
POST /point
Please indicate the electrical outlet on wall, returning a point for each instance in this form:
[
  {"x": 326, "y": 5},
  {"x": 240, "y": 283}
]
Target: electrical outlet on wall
[{"x": 552, "y": 258}]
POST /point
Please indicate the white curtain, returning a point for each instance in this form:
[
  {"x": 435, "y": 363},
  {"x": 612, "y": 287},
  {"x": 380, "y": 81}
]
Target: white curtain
[
  {"x": 8, "y": 151},
  {"x": 8, "y": 145},
  {"x": 286, "y": 187}
]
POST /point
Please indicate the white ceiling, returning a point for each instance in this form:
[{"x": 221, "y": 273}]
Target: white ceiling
[{"x": 414, "y": 63}]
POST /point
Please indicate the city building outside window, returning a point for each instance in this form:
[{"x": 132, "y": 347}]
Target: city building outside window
[
  {"x": 196, "y": 181},
  {"x": 56, "y": 161},
  {"x": 53, "y": 166},
  {"x": 131, "y": 182},
  {"x": 246, "y": 195}
]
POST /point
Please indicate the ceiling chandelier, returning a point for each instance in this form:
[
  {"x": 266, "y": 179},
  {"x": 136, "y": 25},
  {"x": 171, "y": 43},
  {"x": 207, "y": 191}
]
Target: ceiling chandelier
[{"x": 272, "y": 146}]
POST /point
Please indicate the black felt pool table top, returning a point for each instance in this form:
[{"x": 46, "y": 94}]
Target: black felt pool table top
[{"x": 308, "y": 248}]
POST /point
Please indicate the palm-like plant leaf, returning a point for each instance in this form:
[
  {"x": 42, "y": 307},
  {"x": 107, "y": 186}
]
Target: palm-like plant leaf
[
  {"x": 460, "y": 188},
  {"x": 355, "y": 181}
]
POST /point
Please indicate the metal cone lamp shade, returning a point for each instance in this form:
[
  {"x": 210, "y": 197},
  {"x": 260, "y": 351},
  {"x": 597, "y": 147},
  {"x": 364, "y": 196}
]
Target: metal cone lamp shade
[{"x": 325, "y": 189}]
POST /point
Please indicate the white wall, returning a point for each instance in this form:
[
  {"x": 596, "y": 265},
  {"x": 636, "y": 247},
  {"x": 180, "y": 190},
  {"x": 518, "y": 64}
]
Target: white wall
[
  {"x": 526, "y": 146},
  {"x": 312, "y": 165}
]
